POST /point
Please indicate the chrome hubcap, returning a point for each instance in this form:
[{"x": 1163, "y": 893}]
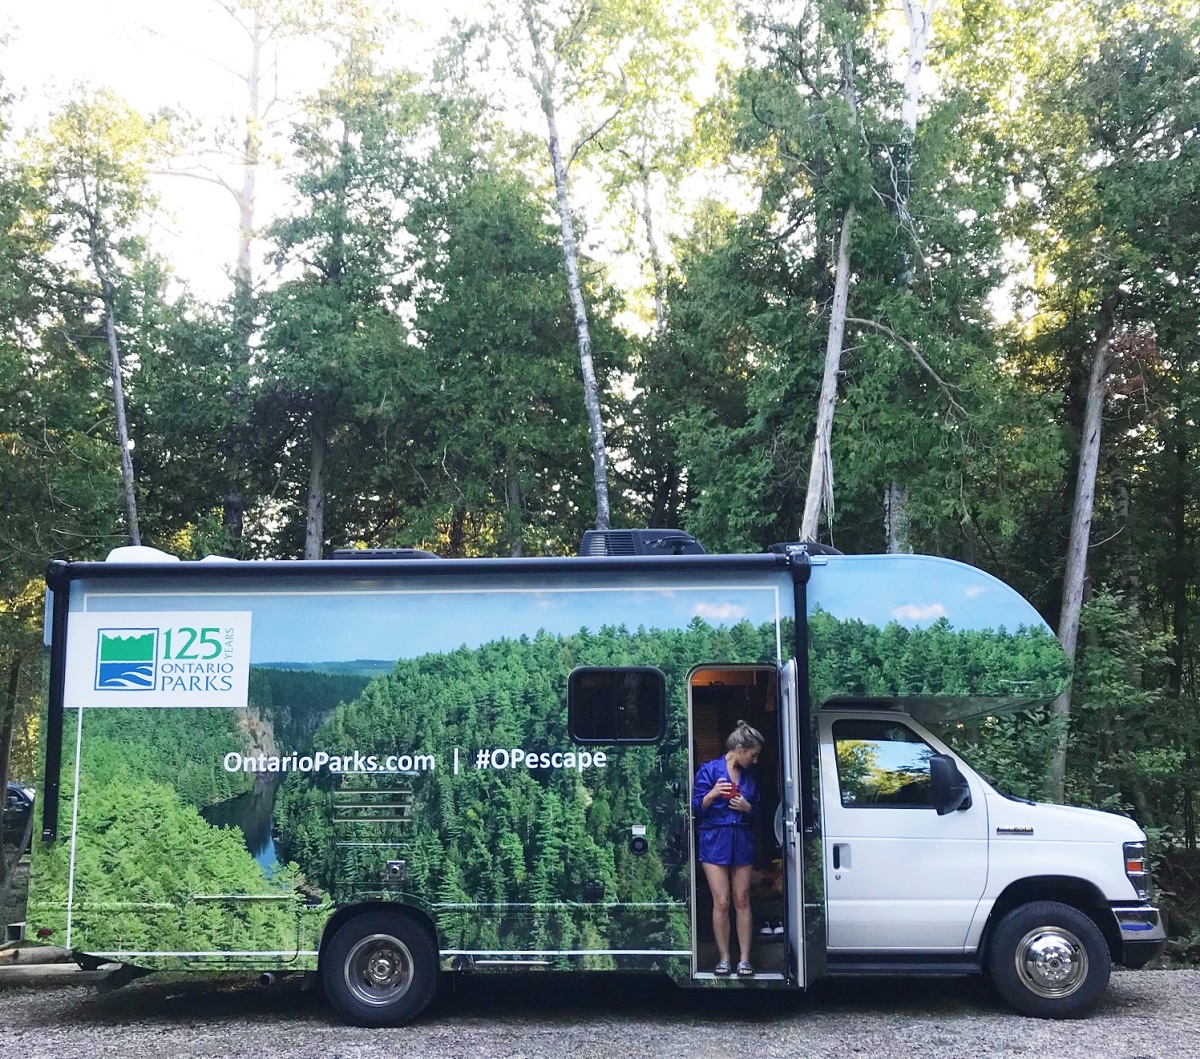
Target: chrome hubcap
[
  {"x": 1051, "y": 962},
  {"x": 379, "y": 970}
]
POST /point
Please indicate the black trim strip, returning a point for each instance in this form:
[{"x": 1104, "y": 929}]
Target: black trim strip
[
  {"x": 912, "y": 966},
  {"x": 52, "y": 781},
  {"x": 801, "y": 572},
  {"x": 360, "y": 569}
]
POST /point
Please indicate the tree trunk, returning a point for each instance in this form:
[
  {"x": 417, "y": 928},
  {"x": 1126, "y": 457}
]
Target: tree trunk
[
  {"x": 665, "y": 511},
  {"x": 314, "y": 523},
  {"x": 512, "y": 501},
  {"x": 8, "y": 720},
  {"x": 660, "y": 283},
  {"x": 114, "y": 355},
  {"x": 895, "y": 519},
  {"x": 591, "y": 394},
  {"x": 247, "y": 195},
  {"x": 1180, "y": 568},
  {"x": 820, "y": 474},
  {"x": 919, "y": 19},
  {"x": 234, "y": 506},
  {"x": 1075, "y": 576}
]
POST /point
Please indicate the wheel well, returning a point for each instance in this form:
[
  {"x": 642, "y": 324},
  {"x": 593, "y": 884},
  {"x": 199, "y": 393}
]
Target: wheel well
[
  {"x": 348, "y": 912},
  {"x": 1065, "y": 889}
]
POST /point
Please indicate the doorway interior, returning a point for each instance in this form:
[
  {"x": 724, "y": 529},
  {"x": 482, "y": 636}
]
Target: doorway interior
[{"x": 720, "y": 696}]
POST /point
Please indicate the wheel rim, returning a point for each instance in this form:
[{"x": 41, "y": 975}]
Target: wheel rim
[
  {"x": 379, "y": 970},
  {"x": 1051, "y": 962}
]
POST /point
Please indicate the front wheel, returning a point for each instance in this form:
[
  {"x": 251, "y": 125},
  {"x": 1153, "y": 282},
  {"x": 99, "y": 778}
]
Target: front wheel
[
  {"x": 1049, "y": 960},
  {"x": 380, "y": 969}
]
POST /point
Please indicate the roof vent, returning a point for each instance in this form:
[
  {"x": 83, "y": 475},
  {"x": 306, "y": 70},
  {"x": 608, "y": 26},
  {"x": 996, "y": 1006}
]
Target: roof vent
[
  {"x": 639, "y": 542},
  {"x": 382, "y": 553}
]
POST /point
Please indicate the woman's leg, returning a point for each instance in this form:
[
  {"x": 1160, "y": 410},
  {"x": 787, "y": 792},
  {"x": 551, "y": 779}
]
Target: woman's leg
[
  {"x": 741, "y": 906},
  {"x": 718, "y": 885}
]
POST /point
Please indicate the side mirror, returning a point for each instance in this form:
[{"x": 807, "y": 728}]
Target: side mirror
[{"x": 948, "y": 786}]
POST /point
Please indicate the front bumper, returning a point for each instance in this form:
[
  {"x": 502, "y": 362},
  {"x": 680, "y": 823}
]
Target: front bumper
[{"x": 1143, "y": 934}]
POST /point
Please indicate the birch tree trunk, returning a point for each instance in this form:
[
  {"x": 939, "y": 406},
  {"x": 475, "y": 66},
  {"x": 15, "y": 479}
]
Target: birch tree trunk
[
  {"x": 247, "y": 194},
  {"x": 820, "y": 473},
  {"x": 544, "y": 84},
  {"x": 660, "y": 281},
  {"x": 819, "y": 495},
  {"x": 1075, "y": 575},
  {"x": 919, "y": 19}
]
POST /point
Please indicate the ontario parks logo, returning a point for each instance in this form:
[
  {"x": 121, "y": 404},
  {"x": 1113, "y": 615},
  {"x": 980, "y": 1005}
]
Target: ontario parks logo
[{"x": 126, "y": 659}]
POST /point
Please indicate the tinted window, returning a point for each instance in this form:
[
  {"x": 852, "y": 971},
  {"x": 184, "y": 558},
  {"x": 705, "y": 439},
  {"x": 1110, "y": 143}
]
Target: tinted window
[
  {"x": 881, "y": 763},
  {"x": 626, "y": 705}
]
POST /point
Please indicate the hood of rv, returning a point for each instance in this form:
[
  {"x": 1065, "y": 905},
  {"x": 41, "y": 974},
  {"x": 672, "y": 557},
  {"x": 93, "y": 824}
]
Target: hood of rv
[{"x": 1060, "y": 823}]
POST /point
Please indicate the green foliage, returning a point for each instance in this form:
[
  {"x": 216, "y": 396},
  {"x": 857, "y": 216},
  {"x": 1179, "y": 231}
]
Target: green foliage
[
  {"x": 517, "y": 836},
  {"x": 854, "y": 659},
  {"x": 148, "y": 872}
]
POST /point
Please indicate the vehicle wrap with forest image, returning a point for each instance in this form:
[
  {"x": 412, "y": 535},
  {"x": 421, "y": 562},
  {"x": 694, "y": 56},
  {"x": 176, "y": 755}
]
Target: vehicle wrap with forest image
[{"x": 506, "y": 860}]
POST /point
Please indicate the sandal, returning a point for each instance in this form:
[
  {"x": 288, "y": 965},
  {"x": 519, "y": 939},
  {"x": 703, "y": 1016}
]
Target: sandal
[
  {"x": 722, "y": 969},
  {"x": 745, "y": 970}
]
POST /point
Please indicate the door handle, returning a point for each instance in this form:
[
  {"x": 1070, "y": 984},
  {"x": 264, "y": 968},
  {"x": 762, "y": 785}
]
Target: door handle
[{"x": 841, "y": 855}]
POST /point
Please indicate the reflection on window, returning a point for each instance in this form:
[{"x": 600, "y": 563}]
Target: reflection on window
[
  {"x": 881, "y": 763},
  {"x": 625, "y": 705}
]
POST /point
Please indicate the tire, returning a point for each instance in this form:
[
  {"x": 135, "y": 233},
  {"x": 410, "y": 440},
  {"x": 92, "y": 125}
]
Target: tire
[
  {"x": 380, "y": 969},
  {"x": 1049, "y": 960}
]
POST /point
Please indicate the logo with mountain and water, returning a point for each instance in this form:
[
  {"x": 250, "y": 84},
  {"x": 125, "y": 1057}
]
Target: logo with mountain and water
[{"x": 126, "y": 659}]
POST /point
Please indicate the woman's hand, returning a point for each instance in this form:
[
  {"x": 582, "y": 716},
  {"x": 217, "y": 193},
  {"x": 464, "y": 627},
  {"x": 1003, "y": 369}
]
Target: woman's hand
[
  {"x": 721, "y": 789},
  {"x": 739, "y": 804}
]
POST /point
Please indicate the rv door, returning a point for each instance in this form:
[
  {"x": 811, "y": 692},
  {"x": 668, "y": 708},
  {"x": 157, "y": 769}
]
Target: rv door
[{"x": 788, "y": 821}]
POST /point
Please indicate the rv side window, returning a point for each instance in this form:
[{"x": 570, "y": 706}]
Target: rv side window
[
  {"x": 626, "y": 705},
  {"x": 881, "y": 763}
]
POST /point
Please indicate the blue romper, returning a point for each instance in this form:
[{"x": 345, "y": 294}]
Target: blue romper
[{"x": 726, "y": 836}]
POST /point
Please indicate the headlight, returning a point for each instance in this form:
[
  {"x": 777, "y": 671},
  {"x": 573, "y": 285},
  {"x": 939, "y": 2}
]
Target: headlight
[{"x": 1137, "y": 869}]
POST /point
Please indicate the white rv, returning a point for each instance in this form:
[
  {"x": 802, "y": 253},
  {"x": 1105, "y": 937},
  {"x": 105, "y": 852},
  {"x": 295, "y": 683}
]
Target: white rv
[{"x": 380, "y": 768}]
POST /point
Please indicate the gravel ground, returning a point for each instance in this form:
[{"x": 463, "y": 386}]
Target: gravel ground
[{"x": 1145, "y": 1014}]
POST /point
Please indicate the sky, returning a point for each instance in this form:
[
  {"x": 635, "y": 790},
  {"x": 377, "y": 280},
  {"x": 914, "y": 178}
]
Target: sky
[
  {"x": 182, "y": 54},
  {"x": 376, "y": 621},
  {"x": 917, "y": 590},
  {"x": 366, "y": 622},
  {"x": 179, "y": 54}
]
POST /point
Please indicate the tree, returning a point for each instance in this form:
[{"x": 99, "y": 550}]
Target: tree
[
  {"x": 493, "y": 325},
  {"x": 1108, "y": 156},
  {"x": 59, "y": 477},
  {"x": 560, "y": 37},
  {"x": 334, "y": 343},
  {"x": 94, "y": 165}
]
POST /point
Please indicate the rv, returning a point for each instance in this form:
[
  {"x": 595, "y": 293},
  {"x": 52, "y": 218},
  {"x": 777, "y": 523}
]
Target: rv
[{"x": 383, "y": 767}]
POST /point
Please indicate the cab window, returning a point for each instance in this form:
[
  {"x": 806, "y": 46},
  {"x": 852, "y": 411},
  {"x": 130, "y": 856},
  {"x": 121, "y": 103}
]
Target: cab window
[{"x": 881, "y": 763}]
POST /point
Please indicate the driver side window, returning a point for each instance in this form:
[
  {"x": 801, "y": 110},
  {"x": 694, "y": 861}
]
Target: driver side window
[{"x": 881, "y": 763}]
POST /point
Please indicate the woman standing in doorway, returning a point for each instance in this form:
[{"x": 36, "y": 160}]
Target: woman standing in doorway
[{"x": 724, "y": 799}]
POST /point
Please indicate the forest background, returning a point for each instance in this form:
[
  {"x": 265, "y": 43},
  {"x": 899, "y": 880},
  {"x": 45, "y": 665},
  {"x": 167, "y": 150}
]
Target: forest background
[{"x": 660, "y": 263}]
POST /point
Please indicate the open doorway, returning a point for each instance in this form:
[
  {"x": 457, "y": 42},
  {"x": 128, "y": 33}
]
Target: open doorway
[{"x": 718, "y": 697}]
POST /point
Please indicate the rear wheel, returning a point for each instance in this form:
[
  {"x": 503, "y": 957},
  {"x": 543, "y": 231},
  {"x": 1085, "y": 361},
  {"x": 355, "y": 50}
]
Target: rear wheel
[
  {"x": 380, "y": 969},
  {"x": 1049, "y": 960}
]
